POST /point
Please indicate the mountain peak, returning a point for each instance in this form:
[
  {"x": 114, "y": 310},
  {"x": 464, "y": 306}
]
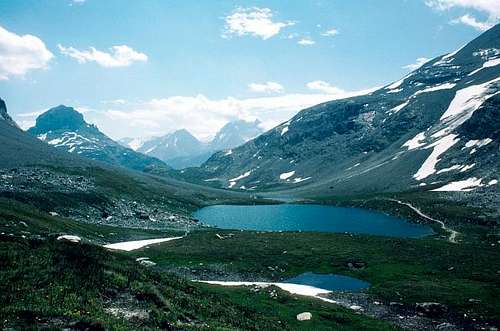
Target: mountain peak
[
  {"x": 236, "y": 133},
  {"x": 59, "y": 118},
  {"x": 183, "y": 133},
  {"x": 4, "y": 115}
]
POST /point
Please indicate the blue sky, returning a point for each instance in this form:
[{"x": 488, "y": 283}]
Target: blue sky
[{"x": 199, "y": 64}]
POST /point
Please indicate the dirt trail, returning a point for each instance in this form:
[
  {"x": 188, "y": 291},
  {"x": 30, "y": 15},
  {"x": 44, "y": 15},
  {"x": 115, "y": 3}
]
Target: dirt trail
[{"x": 452, "y": 233}]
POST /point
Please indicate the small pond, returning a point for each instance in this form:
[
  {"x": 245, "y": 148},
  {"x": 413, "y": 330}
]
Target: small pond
[{"x": 329, "y": 282}]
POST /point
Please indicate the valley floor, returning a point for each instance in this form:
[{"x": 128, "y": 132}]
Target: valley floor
[{"x": 50, "y": 283}]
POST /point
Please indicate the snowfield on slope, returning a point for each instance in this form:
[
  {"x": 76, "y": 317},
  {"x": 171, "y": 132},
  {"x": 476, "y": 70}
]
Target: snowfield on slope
[
  {"x": 468, "y": 100},
  {"x": 286, "y": 175},
  {"x": 460, "y": 186},
  {"x": 440, "y": 147},
  {"x": 133, "y": 245},
  {"x": 233, "y": 181}
]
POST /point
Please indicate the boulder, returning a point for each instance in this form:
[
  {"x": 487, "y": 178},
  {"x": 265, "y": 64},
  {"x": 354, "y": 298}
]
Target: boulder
[
  {"x": 356, "y": 265},
  {"x": 431, "y": 309},
  {"x": 305, "y": 316}
]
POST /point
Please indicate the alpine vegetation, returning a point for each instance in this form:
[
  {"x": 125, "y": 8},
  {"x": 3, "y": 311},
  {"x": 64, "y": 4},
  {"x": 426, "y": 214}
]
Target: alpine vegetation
[{"x": 261, "y": 166}]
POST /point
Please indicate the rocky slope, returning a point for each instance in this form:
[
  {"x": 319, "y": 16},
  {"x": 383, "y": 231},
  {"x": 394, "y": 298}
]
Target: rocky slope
[
  {"x": 5, "y": 116},
  {"x": 50, "y": 179},
  {"x": 65, "y": 128},
  {"x": 435, "y": 129},
  {"x": 181, "y": 149}
]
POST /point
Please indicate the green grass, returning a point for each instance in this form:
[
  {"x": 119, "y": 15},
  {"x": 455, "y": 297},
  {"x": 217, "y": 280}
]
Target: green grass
[
  {"x": 58, "y": 284},
  {"x": 403, "y": 270},
  {"x": 45, "y": 281},
  {"x": 55, "y": 284}
]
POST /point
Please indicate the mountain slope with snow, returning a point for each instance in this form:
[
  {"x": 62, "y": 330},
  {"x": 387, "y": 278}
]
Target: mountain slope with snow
[
  {"x": 181, "y": 149},
  {"x": 65, "y": 128},
  {"x": 436, "y": 127}
]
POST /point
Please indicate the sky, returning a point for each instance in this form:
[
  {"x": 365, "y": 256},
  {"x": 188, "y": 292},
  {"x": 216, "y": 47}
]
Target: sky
[{"x": 148, "y": 67}]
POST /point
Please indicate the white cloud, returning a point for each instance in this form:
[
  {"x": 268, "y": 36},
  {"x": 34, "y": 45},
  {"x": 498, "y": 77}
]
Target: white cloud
[
  {"x": 115, "y": 102},
  {"x": 32, "y": 114},
  {"x": 418, "y": 63},
  {"x": 490, "y": 7},
  {"x": 325, "y": 87},
  {"x": 201, "y": 115},
  {"x": 20, "y": 54},
  {"x": 254, "y": 21},
  {"x": 306, "y": 42},
  {"x": 119, "y": 56},
  {"x": 473, "y": 22},
  {"x": 268, "y": 87},
  {"x": 330, "y": 33}
]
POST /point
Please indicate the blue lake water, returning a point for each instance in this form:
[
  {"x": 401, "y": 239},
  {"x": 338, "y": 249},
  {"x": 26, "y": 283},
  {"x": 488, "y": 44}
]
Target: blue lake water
[
  {"x": 318, "y": 218},
  {"x": 329, "y": 282}
]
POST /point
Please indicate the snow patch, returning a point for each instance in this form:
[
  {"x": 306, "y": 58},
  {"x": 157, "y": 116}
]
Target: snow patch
[
  {"x": 440, "y": 147},
  {"x": 452, "y": 168},
  {"x": 448, "y": 58},
  {"x": 415, "y": 142},
  {"x": 468, "y": 100},
  {"x": 299, "y": 179},
  {"x": 133, "y": 245},
  {"x": 71, "y": 238},
  {"x": 397, "y": 84},
  {"x": 487, "y": 64},
  {"x": 298, "y": 289},
  {"x": 395, "y": 91},
  {"x": 246, "y": 174},
  {"x": 467, "y": 167},
  {"x": 398, "y": 108},
  {"x": 56, "y": 141},
  {"x": 287, "y": 175},
  {"x": 445, "y": 86},
  {"x": 460, "y": 186},
  {"x": 478, "y": 143},
  {"x": 232, "y": 182}
]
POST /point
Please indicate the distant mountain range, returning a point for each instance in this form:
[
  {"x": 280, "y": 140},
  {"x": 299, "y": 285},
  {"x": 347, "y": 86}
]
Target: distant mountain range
[
  {"x": 181, "y": 149},
  {"x": 435, "y": 129},
  {"x": 65, "y": 128}
]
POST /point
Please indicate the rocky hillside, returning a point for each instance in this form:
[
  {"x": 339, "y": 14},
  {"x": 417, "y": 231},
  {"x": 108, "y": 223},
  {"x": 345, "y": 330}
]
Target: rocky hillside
[
  {"x": 4, "y": 115},
  {"x": 435, "y": 129},
  {"x": 181, "y": 149},
  {"x": 52, "y": 180},
  {"x": 65, "y": 128}
]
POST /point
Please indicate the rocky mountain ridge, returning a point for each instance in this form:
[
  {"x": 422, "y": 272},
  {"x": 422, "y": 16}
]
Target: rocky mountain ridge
[
  {"x": 65, "y": 128},
  {"x": 5, "y": 116},
  {"x": 435, "y": 129},
  {"x": 180, "y": 149}
]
